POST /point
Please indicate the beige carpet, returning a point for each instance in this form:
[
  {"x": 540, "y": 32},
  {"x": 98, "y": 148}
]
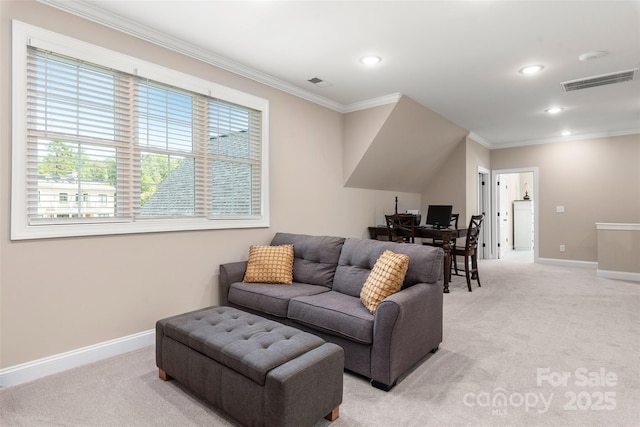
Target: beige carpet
[{"x": 536, "y": 345}]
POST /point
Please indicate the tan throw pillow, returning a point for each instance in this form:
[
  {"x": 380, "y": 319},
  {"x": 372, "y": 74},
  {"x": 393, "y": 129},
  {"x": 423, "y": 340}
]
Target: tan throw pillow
[
  {"x": 270, "y": 264},
  {"x": 385, "y": 279}
]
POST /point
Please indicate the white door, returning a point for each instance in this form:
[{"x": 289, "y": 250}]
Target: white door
[{"x": 503, "y": 217}]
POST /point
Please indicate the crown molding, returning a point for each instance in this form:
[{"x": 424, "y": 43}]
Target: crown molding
[
  {"x": 370, "y": 103},
  {"x": 577, "y": 137},
  {"x": 92, "y": 13},
  {"x": 480, "y": 140}
]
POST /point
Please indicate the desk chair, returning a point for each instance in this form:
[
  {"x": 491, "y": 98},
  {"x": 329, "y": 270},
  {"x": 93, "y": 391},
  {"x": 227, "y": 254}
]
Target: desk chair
[
  {"x": 400, "y": 228},
  {"x": 470, "y": 250},
  {"x": 453, "y": 223}
]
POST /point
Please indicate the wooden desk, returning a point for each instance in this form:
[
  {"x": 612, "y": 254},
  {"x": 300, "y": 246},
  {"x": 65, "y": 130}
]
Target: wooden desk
[{"x": 444, "y": 234}]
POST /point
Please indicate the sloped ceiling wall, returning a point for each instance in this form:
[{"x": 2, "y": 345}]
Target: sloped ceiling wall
[{"x": 397, "y": 148}]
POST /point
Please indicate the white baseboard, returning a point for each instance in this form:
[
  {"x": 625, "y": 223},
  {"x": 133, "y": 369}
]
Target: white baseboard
[
  {"x": 30, "y": 371},
  {"x": 619, "y": 275},
  {"x": 568, "y": 262}
]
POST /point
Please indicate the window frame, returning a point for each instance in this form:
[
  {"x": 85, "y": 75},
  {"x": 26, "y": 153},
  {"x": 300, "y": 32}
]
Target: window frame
[{"x": 25, "y": 35}]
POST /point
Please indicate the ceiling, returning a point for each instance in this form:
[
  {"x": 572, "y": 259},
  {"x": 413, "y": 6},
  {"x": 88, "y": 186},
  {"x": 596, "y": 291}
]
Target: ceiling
[{"x": 460, "y": 59}]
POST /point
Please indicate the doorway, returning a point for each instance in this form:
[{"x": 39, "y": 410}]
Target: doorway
[
  {"x": 515, "y": 190},
  {"x": 484, "y": 207}
]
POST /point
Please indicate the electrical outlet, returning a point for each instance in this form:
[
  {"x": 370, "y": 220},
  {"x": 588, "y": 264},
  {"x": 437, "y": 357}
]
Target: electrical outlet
[
  {"x": 561, "y": 248},
  {"x": 559, "y": 209}
]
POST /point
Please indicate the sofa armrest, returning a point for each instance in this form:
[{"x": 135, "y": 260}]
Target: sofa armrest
[
  {"x": 407, "y": 326},
  {"x": 230, "y": 273}
]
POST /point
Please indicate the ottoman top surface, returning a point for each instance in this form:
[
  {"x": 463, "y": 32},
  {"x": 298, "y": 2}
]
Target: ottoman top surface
[{"x": 246, "y": 343}]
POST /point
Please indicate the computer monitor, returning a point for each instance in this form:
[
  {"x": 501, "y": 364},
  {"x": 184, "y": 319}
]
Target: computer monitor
[{"x": 439, "y": 216}]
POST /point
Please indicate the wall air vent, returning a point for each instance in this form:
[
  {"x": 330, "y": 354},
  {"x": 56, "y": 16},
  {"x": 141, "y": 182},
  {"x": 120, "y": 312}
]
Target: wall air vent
[{"x": 605, "y": 79}]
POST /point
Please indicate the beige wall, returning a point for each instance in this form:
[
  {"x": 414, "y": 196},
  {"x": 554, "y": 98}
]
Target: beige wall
[
  {"x": 456, "y": 181},
  {"x": 619, "y": 249},
  {"x": 596, "y": 180},
  {"x": 448, "y": 187},
  {"x": 477, "y": 156},
  {"x": 360, "y": 129},
  {"x": 407, "y": 150},
  {"x": 58, "y": 295}
]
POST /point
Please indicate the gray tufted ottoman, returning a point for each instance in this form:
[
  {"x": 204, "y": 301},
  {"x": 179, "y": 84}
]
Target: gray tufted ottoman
[{"x": 258, "y": 371}]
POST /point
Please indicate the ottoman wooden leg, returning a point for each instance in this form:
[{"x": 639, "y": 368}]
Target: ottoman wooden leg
[
  {"x": 163, "y": 375},
  {"x": 333, "y": 415}
]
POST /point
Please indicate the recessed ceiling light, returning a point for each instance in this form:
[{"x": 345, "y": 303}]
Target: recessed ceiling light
[
  {"x": 566, "y": 133},
  {"x": 531, "y": 69},
  {"x": 370, "y": 60},
  {"x": 554, "y": 110},
  {"x": 590, "y": 56}
]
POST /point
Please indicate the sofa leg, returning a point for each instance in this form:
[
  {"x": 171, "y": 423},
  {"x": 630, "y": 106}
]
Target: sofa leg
[
  {"x": 381, "y": 386},
  {"x": 434, "y": 349},
  {"x": 333, "y": 415},
  {"x": 163, "y": 375}
]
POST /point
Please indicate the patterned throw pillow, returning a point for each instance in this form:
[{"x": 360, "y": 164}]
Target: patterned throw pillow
[
  {"x": 385, "y": 279},
  {"x": 270, "y": 264}
]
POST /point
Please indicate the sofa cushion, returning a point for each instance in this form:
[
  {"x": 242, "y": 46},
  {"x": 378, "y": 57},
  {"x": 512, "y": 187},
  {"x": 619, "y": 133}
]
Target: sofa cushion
[
  {"x": 358, "y": 257},
  {"x": 335, "y": 313},
  {"x": 385, "y": 279},
  {"x": 269, "y": 298},
  {"x": 316, "y": 257},
  {"x": 270, "y": 264}
]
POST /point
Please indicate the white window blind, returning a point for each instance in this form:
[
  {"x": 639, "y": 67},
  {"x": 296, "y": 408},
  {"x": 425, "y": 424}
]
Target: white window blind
[
  {"x": 79, "y": 137},
  {"x": 131, "y": 150},
  {"x": 235, "y": 168}
]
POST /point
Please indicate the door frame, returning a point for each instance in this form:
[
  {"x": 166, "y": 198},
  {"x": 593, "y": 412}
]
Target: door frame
[
  {"x": 484, "y": 207},
  {"x": 496, "y": 204}
]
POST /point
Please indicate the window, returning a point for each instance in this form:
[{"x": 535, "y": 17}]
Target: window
[{"x": 149, "y": 148}]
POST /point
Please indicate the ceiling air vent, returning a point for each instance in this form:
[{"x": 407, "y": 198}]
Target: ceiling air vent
[
  {"x": 605, "y": 79},
  {"x": 319, "y": 82}
]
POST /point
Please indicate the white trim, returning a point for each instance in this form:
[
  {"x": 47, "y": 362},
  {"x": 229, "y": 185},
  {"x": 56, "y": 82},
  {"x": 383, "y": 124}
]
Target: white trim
[
  {"x": 95, "y": 14},
  {"x": 577, "y": 137},
  {"x": 370, "y": 103},
  {"x": 617, "y": 226},
  {"x": 619, "y": 275},
  {"x": 26, "y": 34},
  {"x": 568, "y": 262},
  {"x": 487, "y": 229},
  {"x": 33, "y": 370},
  {"x": 480, "y": 140}
]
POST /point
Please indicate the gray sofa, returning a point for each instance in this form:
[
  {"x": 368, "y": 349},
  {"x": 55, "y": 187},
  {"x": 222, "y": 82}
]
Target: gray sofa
[{"x": 328, "y": 274}]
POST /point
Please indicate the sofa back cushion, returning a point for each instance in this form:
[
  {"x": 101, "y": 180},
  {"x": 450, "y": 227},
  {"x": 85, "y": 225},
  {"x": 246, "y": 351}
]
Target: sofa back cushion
[
  {"x": 358, "y": 257},
  {"x": 315, "y": 257}
]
